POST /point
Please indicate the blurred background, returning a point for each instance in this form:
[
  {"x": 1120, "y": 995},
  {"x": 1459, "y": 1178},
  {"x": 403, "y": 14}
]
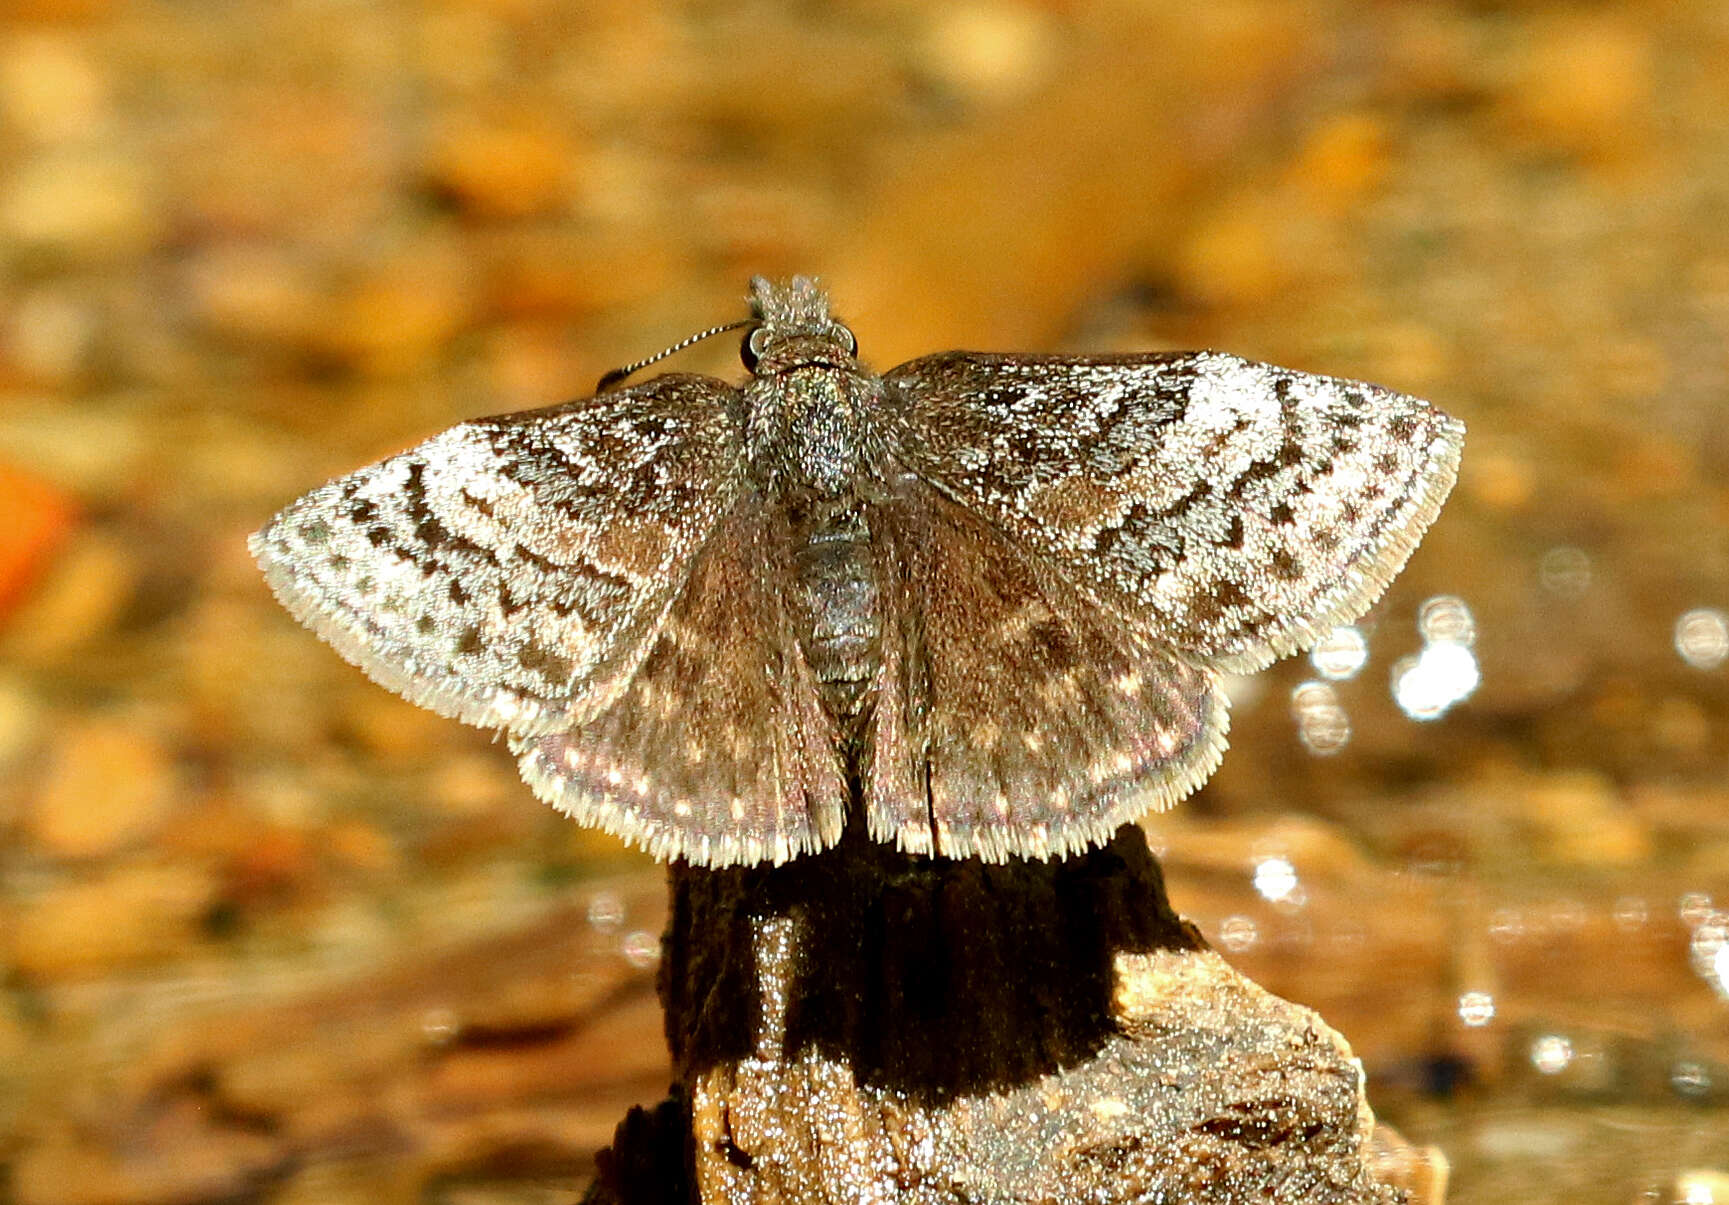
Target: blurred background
[{"x": 269, "y": 934}]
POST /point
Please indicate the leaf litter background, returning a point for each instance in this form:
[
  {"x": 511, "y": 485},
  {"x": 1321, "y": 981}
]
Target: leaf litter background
[{"x": 267, "y": 933}]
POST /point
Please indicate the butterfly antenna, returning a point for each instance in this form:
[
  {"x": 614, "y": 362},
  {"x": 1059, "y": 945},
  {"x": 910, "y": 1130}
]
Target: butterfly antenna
[{"x": 616, "y": 377}]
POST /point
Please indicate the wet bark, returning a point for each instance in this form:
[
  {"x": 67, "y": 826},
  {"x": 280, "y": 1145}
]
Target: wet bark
[{"x": 867, "y": 1026}]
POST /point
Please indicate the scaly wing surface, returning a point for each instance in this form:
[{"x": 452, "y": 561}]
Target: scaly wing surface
[
  {"x": 1014, "y": 715},
  {"x": 511, "y": 572},
  {"x": 1234, "y": 511},
  {"x": 719, "y": 750}
]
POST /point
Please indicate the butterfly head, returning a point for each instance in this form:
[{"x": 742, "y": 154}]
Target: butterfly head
[{"x": 794, "y": 328}]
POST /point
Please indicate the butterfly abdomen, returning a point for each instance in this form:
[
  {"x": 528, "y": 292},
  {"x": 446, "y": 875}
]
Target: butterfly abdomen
[{"x": 835, "y": 582}]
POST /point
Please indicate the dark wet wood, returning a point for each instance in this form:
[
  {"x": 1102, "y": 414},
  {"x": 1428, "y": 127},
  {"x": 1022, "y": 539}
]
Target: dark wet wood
[{"x": 864, "y": 1026}]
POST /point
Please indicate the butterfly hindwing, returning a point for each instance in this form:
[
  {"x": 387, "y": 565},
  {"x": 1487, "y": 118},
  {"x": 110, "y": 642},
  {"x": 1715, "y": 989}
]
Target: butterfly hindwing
[
  {"x": 510, "y": 571},
  {"x": 1234, "y": 510},
  {"x": 1013, "y": 715},
  {"x": 719, "y": 750}
]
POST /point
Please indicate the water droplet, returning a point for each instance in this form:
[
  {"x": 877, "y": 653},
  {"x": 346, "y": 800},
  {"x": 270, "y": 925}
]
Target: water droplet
[
  {"x": 1427, "y": 685},
  {"x": 1323, "y": 725},
  {"x": 1476, "y": 1009},
  {"x": 1702, "y": 1187},
  {"x": 1341, "y": 654},
  {"x": 606, "y": 911},
  {"x": 439, "y": 1025},
  {"x": 1238, "y": 934},
  {"x": 1275, "y": 878},
  {"x": 1694, "y": 908},
  {"x": 1551, "y": 1053},
  {"x": 1446, "y": 619},
  {"x": 1691, "y": 1079},
  {"x": 1702, "y": 638},
  {"x": 640, "y": 948},
  {"x": 1707, "y": 946}
]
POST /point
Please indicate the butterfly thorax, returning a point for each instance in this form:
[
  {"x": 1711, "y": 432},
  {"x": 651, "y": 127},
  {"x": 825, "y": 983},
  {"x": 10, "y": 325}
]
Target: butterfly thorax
[{"x": 808, "y": 427}]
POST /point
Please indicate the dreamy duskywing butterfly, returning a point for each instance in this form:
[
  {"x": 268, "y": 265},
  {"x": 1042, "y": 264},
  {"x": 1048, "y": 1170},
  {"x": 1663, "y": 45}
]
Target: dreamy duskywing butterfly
[{"x": 985, "y": 598}]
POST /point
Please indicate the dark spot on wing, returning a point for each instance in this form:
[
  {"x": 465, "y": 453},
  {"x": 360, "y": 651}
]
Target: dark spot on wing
[
  {"x": 1139, "y": 539},
  {"x": 538, "y": 659},
  {"x": 1260, "y": 470},
  {"x": 483, "y": 505},
  {"x": 1231, "y": 596},
  {"x": 1207, "y": 607},
  {"x": 1223, "y": 439},
  {"x": 432, "y": 536},
  {"x": 1048, "y": 635},
  {"x": 538, "y": 561},
  {"x": 513, "y": 468}
]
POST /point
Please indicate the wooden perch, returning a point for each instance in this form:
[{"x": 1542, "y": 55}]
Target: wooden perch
[{"x": 867, "y": 1026}]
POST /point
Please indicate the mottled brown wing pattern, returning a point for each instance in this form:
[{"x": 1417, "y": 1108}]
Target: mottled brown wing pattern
[
  {"x": 510, "y": 571},
  {"x": 719, "y": 750},
  {"x": 1038, "y": 564},
  {"x": 1014, "y": 716},
  {"x": 1234, "y": 510}
]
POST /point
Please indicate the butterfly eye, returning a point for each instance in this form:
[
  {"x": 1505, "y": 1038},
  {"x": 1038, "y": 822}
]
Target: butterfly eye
[
  {"x": 755, "y": 344},
  {"x": 846, "y": 337}
]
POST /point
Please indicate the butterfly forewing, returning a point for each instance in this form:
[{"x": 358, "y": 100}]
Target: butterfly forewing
[
  {"x": 1015, "y": 716},
  {"x": 1233, "y": 510},
  {"x": 719, "y": 750},
  {"x": 510, "y": 571}
]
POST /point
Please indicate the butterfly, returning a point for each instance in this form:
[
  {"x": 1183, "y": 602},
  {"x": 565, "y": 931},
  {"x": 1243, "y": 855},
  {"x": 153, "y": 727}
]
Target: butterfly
[{"x": 985, "y": 600}]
